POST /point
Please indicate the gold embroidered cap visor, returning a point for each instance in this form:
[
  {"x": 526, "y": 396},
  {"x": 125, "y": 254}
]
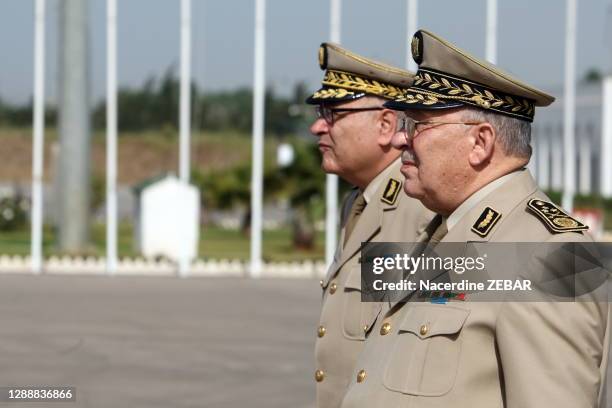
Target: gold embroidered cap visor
[
  {"x": 349, "y": 76},
  {"x": 449, "y": 78}
]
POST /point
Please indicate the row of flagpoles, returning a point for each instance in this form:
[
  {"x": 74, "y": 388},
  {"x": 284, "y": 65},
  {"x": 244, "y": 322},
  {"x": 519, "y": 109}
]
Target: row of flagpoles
[{"x": 258, "y": 121}]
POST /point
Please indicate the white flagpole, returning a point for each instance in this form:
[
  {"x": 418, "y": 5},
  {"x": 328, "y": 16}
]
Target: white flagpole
[
  {"x": 411, "y": 27},
  {"x": 331, "y": 180},
  {"x": 185, "y": 109},
  {"x": 185, "y": 95},
  {"x": 38, "y": 145},
  {"x": 491, "y": 37},
  {"x": 543, "y": 159},
  {"x": 335, "y": 20},
  {"x": 569, "y": 108},
  {"x": 111, "y": 137},
  {"x": 584, "y": 153},
  {"x": 258, "y": 134},
  {"x": 606, "y": 139},
  {"x": 557, "y": 163}
]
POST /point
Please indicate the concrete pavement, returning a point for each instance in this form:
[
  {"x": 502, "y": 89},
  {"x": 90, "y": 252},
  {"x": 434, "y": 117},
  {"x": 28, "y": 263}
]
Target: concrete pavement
[{"x": 161, "y": 342}]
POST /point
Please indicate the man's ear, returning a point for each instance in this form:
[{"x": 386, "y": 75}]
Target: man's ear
[
  {"x": 387, "y": 126},
  {"x": 484, "y": 137}
]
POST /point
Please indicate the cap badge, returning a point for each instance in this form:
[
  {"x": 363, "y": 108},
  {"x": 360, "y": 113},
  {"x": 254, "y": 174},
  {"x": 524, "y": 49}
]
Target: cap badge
[
  {"x": 322, "y": 57},
  {"x": 416, "y": 47}
]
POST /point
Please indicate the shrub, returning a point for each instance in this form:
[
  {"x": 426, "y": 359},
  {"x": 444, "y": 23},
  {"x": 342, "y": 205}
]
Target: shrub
[{"x": 13, "y": 213}]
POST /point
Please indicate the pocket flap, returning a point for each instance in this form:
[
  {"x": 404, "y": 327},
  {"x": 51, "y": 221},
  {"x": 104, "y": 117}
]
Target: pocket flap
[
  {"x": 431, "y": 320},
  {"x": 353, "y": 281}
]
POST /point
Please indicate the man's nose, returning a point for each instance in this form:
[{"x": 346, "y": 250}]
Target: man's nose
[
  {"x": 399, "y": 140},
  {"x": 319, "y": 127}
]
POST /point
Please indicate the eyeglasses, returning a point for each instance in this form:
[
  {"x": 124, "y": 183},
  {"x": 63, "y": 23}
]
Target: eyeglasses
[
  {"x": 327, "y": 113},
  {"x": 410, "y": 127}
]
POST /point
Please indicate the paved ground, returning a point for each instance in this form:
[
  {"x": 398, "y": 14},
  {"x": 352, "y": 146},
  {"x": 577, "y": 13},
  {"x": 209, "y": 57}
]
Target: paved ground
[{"x": 161, "y": 342}]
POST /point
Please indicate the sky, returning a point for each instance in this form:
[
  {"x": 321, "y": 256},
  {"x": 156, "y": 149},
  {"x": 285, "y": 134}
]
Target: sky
[{"x": 531, "y": 39}]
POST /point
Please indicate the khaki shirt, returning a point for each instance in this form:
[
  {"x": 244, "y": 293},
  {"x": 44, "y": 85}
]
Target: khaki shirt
[
  {"x": 466, "y": 354},
  {"x": 390, "y": 215}
]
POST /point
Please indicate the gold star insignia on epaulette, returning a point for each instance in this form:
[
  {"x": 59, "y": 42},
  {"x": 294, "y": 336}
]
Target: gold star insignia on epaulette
[
  {"x": 486, "y": 221},
  {"x": 554, "y": 218},
  {"x": 391, "y": 192}
]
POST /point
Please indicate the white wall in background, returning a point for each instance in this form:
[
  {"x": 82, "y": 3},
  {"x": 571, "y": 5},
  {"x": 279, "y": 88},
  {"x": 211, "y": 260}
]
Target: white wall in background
[{"x": 169, "y": 219}]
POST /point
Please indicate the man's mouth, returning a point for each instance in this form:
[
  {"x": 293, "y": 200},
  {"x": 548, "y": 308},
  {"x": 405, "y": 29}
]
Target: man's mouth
[
  {"x": 324, "y": 147},
  {"x": 408, "y": 158}
]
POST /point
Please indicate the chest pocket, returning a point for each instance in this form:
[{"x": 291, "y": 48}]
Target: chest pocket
[
  {"x": 426, "y": 350},
  {"x": 357, "y": 316}
]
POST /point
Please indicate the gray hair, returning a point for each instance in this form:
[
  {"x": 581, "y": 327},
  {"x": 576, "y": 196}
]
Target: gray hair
[{"x": 514, "y": 135}]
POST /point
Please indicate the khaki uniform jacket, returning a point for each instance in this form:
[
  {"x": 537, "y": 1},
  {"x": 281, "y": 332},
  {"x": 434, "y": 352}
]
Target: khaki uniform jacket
[
  {"x": 390, "y": 215},
  {"x": 486, "y": 355}
]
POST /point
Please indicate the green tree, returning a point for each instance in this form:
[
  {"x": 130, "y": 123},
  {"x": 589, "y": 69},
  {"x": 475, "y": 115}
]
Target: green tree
[
  {"x": 592, "y": 75},
  {"x": 304, "y": 182}
]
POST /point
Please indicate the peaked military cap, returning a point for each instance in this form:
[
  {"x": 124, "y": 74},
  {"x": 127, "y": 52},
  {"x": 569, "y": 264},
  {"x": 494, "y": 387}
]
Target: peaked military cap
[
  {"x": 349, "y": 76},
  {"x": 448, "y": 77}
]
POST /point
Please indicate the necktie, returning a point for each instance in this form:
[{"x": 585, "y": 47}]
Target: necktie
[
  {"x": 439, "y": 233},
  {"x": 356, "y": 210}
]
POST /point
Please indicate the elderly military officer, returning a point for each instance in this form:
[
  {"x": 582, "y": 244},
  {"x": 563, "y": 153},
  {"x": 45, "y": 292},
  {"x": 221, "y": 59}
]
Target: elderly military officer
[
  {"x": 465, "y": 143},
  {"x": 354, "y": 133}
]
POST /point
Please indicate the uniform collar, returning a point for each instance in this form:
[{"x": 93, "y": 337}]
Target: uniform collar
[
  {"x": 372, "y": 189},
  {"x": 475, "y": 198},
  {"x": 370, "y": 222}
]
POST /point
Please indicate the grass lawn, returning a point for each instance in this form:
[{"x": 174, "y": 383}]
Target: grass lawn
[
  {"x": 215, "y": 243},
  {"x": 277, "y": 246}
]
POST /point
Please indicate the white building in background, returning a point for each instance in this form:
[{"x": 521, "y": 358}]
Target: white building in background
[
  {"x": 547, "y": 140},
  {"x": 168, "y": 219}
]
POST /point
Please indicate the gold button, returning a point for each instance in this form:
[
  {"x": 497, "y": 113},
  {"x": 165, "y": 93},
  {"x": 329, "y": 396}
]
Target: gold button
[
  {"x": 365, "y": 328},
  {"x": 385, "y": 329},
  {"x": 332, "y": 288},
  {"x": 424, "y": 330},
  {"x": 361, "y": 375},
  {"x": 319, "y": 375},
  {"x": 321, "y": 331},
  {"x": 321, "y": 282}
]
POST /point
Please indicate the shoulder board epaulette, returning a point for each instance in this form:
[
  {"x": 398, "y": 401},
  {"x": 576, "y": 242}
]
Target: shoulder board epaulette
[{"x": 555, "y": 219}]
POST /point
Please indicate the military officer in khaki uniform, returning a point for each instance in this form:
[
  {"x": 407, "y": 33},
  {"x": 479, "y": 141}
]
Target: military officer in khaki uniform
[
  {"x": 465, "y": 145},
  {"x": 354, "y": 133}
]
